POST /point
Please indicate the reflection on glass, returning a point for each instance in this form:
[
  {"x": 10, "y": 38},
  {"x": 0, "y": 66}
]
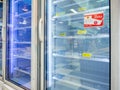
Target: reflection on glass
[
  {"x": 1, "y": 18},
  {"x": 77, "y": 57},
  {"x": 19, "y": 43}
]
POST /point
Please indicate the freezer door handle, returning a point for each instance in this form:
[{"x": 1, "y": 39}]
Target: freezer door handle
[{"x": 41, "y": 29}]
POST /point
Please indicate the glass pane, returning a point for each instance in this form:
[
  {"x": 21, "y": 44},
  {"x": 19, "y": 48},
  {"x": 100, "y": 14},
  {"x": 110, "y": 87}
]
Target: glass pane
[
  {"x": 1, "y": 21},
  {"x": 18, "y": 67},
  {"x": 77, "y": 45}
]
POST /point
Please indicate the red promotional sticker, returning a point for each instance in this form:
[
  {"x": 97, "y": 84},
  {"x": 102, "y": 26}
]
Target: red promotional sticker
[{"x": 94, "y": 20}]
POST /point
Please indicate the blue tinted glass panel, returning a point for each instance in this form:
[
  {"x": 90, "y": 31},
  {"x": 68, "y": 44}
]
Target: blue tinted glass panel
[{"x": 18, "y": 65}]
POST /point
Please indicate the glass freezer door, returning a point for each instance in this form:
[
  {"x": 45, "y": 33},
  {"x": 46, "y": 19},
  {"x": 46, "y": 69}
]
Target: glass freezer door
[
  {"x": 77, "y": 52},
  {"x": 18, "y": 62}
]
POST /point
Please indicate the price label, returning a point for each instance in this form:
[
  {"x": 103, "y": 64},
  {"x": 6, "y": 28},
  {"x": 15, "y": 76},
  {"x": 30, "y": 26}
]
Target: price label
[
  {"x": 87, "y": 55},
  {"x": 60, "y": 13},
  {"x": 81, "y": 31},
  {"x": 82, "y": 9},
  {"x": 62, "y": 34},
  {"x": 57, "y": 14}
]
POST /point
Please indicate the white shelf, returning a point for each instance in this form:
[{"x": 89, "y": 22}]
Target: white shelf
[
  {"x": 22, "y": 42},
  {"x": 69, "y": 5},
  {"x": 80, "y": 19},
  {"x": 58, "y": 1},
  {"x": 20, "y": 56},
  {"x": 83, "y": 37},
  {"x": 73, "y": 84},
  {"x": 22, "y": 14},
  {"x": 61, "y": 1},
  {"x": 22, "y": 28},
  {"x": 23, "y": 81},
  {"x": 82, "y": 12},
  {"x": 69, "y": 74},
  {"x": 23, "y": 71},
  {"x": 17, "y": 1},
  {"x": 82, "y": 78},
  {"x": 78, "y": 57},
  {"x": 78, "y": 3}
]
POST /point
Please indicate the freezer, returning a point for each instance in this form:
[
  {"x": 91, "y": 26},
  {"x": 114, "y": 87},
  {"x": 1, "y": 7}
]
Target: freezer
[
  {"x": 18, "y": 43},
  {"x": 77, "y": 44}
]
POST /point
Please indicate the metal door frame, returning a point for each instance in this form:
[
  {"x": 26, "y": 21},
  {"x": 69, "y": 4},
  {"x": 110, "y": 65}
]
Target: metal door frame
[{"x": 42, "y": 45}]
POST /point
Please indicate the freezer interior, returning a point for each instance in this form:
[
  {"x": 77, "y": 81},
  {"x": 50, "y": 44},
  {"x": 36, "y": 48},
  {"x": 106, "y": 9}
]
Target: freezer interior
[
  {"x": 18, "y": 64},
  {"x": 77, "y": 46}
]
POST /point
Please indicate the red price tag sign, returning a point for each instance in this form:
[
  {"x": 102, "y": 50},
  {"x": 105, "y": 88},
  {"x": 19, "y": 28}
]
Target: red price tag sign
[{"x": 94, "y": 20}]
